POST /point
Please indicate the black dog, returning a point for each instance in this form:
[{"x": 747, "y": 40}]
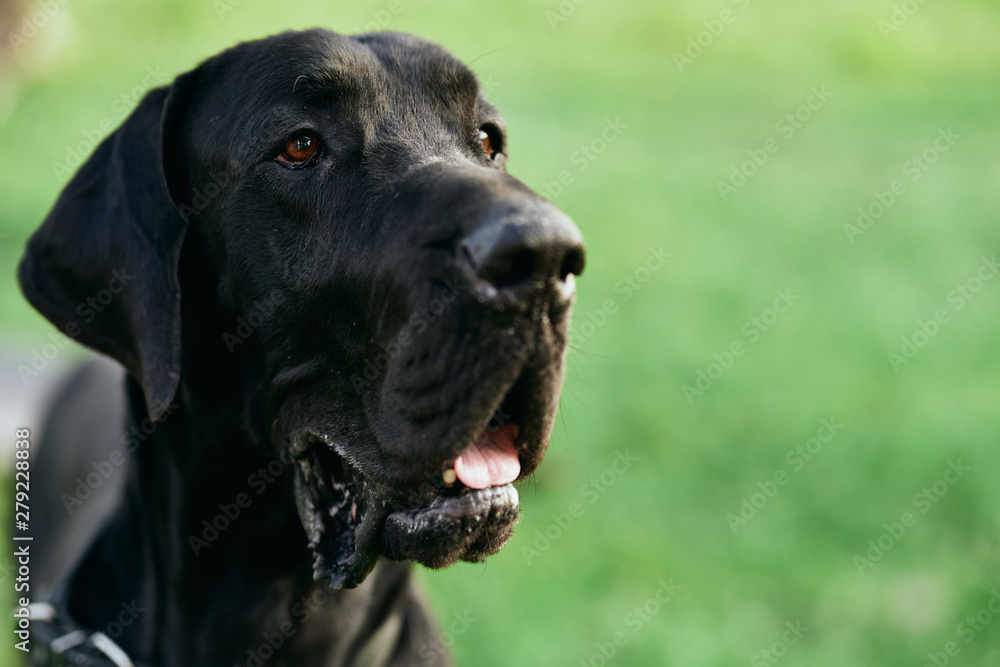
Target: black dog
[{"x": 344, "y": 326}]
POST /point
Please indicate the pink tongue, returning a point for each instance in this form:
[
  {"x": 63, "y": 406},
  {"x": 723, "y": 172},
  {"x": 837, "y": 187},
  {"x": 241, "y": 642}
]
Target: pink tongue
[{"x": 491, "y": 460}]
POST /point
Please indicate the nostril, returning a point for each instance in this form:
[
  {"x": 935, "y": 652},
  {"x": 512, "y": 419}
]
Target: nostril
[
  {"x": 517, "y": 267},
  {"x": 572, "y": 264},
  {"x": 502, "y": 256}
]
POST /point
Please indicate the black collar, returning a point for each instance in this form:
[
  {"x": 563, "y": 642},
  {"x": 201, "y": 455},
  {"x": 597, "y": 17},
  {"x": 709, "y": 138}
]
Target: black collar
[{"x": 64, "y": 643}]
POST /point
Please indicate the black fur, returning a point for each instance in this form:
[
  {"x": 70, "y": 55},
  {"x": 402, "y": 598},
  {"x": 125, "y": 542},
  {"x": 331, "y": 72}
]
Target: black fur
[{"x": 358, "y": 320}]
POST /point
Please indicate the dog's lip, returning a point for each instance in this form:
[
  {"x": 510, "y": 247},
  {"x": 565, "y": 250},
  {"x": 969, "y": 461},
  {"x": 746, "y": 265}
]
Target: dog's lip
[
  {"x": 469, "y": 502},
  {"x": 470, "y": 526}
]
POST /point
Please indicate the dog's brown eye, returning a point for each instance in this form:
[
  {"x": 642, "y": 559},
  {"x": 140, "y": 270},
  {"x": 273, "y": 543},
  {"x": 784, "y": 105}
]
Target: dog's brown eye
[
  {"x": 299, "y": 149},
  {"x": 486, "y": 139}
]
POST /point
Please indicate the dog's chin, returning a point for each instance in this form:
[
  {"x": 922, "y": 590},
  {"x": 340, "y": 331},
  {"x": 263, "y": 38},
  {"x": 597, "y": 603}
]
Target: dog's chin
[
  {"x": 469, "y": 525},
  {"x": 351, "y": 519}
]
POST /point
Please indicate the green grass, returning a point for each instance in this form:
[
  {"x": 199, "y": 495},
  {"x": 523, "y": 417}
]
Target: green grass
[{"x": 665, "y": 517}]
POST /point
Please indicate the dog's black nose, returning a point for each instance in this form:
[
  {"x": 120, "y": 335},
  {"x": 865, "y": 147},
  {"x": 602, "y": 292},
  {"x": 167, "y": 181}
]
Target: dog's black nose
[{"x": 525, "y": 253}]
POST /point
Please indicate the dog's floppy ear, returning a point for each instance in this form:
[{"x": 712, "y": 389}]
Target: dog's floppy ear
[{"x": 103, "y": 267}]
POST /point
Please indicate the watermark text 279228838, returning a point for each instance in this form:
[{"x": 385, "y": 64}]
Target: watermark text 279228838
[{"x": 22, "y": 548}]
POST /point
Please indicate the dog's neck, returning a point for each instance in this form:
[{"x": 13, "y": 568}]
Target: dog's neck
[
  {"x": 207, "y": 554},
  {"x": 208, "y": 541}
]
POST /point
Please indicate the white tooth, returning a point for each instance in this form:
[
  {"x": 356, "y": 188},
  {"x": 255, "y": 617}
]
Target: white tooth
[{"x": 449, "y": 476}]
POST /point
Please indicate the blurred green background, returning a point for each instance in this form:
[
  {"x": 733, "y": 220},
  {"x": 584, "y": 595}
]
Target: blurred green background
[{"x": 754, "y": 537}]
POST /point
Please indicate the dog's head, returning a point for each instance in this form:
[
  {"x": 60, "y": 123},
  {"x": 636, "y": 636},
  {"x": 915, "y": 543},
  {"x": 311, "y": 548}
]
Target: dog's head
[{"x": 393, "y": 305}]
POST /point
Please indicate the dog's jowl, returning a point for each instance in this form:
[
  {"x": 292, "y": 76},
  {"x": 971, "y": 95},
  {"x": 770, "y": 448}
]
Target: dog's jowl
[{"x": 341, "y": 342}]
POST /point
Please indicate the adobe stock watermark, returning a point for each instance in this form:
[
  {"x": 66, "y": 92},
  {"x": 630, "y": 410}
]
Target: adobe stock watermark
[
  {"x": 796, "y": 458},
  {"x": 900, "y": 16},
  {"x": 130, "y": 612},
  {"x": 88, "y": 310},
  {"x": 223, "y": 7},
  {"x": 435, "y": 651},
  {"x": 302, "y": 611},
  {"x": 591, "y": 321},
  {"x": 634, "y": 621},
  {"x": 415, "y": 325},
  {"x": 34, "y": 22},
  {"x": 201, "y": 197},
  {"x": 487, "y": 84},
  {"x": 382, "y": 18},
  {"x": 103, "y": 469},
  {"x": 915, "y": 168},
  {"x": 121, "y": 107},
  {"x": 779, "y": 649},
  {"x": 971, "y": 627},
  {"x": 562, "y": 12},
  {"x": 583, "y": 157},
  {"x": 752, "y": 330},
  {"x": 956, "y": 301},
  {"x": 258, "y": 481},
  {"x": 128, "y": 615},
  {"x": 591, "y": 491},
  {"x": 793, "y": 121},
  {"x": 714, "y": 29},
  {"x": 260, "y": 310},
  {"x": 922, "y": 503}
]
